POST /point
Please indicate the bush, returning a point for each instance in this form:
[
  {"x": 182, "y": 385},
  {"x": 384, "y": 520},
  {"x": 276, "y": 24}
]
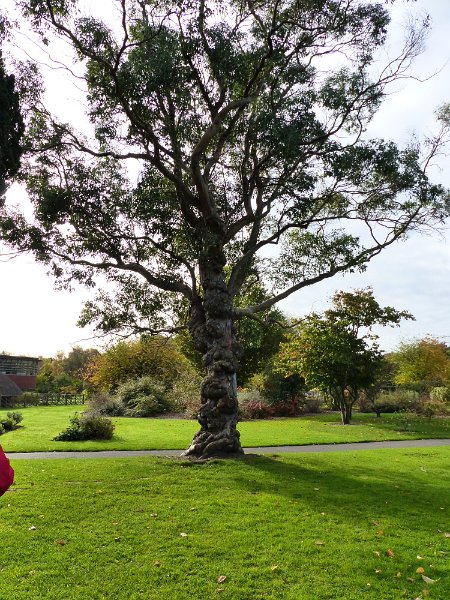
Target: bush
[
  {"x": 184, "y": 397},
  {"x": 87, "y": 426},
  {"x": 441, "y": 394},
  {"x": 11, "y": 422},
  {"x": 396, "y": 401},
  {"x": 96, "y": 427},
  {"x": 143, "y": 397},
  {"x": 252, "y": 405},
  {"x": 311, "y": 402},
  {"x": 109, "y": 406},
  {"x": 431, "y": 408}
]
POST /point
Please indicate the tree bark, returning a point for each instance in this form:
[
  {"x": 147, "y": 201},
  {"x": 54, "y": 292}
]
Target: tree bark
[
  {"x": 346, "y": 412},
  {"x": 211, "y": 326}
]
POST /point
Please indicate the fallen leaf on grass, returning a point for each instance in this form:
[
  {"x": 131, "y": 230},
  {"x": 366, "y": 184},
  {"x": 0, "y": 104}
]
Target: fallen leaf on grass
[
  {"x": 183, "y": 534},
  {"x": 420, "y": 570},
  {"x": 376, "y": 553},
  {"x": 32, "y": 528},
  {"x": 398, "y": 574},
  {"x": 380, "y": 532},
  {"x": 390, "y": 553},
  {"x": 60, "y": 542},
  {"x": 157, "y": 563},
  {"x": 447, "y": 535},
  {"x": 378, "y": 571},
  {"x": 274, "y": 567},
  {"x": 221, "y": 579},
  {"x": 319, "y": 543},
  {"x": 419, "y": 557},
  {"x": 428, "y": 579},
  {"x": 153, "y": 514}
]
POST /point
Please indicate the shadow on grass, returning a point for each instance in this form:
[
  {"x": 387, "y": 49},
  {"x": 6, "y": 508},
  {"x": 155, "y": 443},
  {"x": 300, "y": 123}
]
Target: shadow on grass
[
  {"x": 353, "y": 491},
  {"x": 395, "y": 422}
]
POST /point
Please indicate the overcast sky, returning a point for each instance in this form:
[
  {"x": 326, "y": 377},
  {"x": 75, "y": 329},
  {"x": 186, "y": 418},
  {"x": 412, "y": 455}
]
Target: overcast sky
[{"x": 37, "y": 320}]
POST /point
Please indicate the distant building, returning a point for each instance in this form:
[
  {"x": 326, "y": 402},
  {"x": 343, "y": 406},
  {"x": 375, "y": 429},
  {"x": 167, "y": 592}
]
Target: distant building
[
  {"x": 8, "y": 389},
  {"x": 21, "y": 370}
]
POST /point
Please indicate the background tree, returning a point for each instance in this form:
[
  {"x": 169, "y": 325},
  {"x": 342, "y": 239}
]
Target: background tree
[
  {"x": 157, "y": 357},
  {"x": 11, "y": 127},
  {"x": 246, "y": 121},
  {"x": 336, "y": 352},
  {"x": 421, "y": 364},
  {"x": 66, "y": 372}
]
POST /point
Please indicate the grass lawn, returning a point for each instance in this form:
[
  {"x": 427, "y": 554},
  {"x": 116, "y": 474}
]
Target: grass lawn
[
  {"x": 41, "y": 424},
  {"x": 344, "y": 526}
]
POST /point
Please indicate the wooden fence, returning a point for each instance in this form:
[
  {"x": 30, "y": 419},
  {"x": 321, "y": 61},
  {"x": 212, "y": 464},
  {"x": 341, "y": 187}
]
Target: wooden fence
[{"x": 48, "y": 399}]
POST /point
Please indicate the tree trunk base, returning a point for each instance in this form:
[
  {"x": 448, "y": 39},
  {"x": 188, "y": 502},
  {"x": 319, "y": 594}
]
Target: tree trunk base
[{"x": 220, "y": 444}]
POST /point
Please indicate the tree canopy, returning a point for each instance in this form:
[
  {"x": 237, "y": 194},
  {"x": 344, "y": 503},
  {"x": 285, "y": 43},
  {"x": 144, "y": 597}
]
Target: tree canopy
[
  {"x": 421, "y": 364},
  {"x": 11, "y": 127},
  {"x": 246, "y": 120}
]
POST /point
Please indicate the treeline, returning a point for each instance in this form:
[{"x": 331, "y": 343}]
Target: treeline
[{"x": 327, "y": 361}]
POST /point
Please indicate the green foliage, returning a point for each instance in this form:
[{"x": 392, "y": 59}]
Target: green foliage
[
  {"x": 431, "y": 408},
  {"x": 184, "y": 396},
  {"x": 11, "y": 422},
  {"x": 87, "y": 426},
  {"x": 247, "y": 137},
  {"x": 422, "y": 364},
  {"x": 156, "y": 357},
  {"x": 398, "y": 400},
  {"x": 442, "y": 394},
  {"x": 104, "y": 404},
  {"x": 11, "y": 128},
  {"x": 260, "y": 339},
  {"x": 143, "y": 397},
  {"x": 65, "y": 373},
  {"x": 331, "y": 352}
]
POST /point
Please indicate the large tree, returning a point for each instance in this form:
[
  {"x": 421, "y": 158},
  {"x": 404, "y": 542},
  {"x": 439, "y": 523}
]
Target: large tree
[{"x": 246, "y": 120}]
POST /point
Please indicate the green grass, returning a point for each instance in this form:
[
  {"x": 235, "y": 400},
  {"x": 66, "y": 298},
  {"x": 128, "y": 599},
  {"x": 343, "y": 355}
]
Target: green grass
[
  {"x": 41, "y": 424},
  {"x": 344, "y": 526}
]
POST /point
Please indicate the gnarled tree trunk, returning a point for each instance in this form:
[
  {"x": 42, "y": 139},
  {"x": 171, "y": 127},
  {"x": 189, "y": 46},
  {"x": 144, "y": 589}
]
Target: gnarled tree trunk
[{"x": 211, "y": 326}]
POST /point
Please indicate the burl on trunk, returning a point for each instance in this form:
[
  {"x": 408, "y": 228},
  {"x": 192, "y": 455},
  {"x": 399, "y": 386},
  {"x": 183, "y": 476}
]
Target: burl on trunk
[{"x": 211, "y": 326}]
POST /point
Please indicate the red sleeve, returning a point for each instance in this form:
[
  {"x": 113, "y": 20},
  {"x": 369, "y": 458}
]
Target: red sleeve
[{"x": 6, "y": 473}]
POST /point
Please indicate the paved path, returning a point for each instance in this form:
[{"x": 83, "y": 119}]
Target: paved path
[{"x": 262, "y": 450}]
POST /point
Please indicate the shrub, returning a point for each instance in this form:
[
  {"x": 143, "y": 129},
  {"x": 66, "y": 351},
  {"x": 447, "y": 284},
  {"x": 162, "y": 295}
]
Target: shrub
[
  {"x": 431, "y": 408},
  {"x": 311, "y": 402},
  {"x": 184, "y": 397},
  {"x": 73, "y": 431},
  {"x": 87, "y": 426},
  {"x": 396, "y": 401},
  {"x": 11, "y": 422},
  {"x": 104, "y": 404},
  {"x": 96, "y": 427},
  {"x": 441, "y": 394},
  {"x": 252, "y": 405},
  {"x": 143, "y": 397}
]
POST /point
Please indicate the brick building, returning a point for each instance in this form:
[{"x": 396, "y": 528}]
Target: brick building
[{"x": 21, "y": 370}]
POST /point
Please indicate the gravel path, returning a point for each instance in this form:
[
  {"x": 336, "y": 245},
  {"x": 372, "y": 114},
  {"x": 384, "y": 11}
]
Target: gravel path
[{"x": 261, "y": 450}]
